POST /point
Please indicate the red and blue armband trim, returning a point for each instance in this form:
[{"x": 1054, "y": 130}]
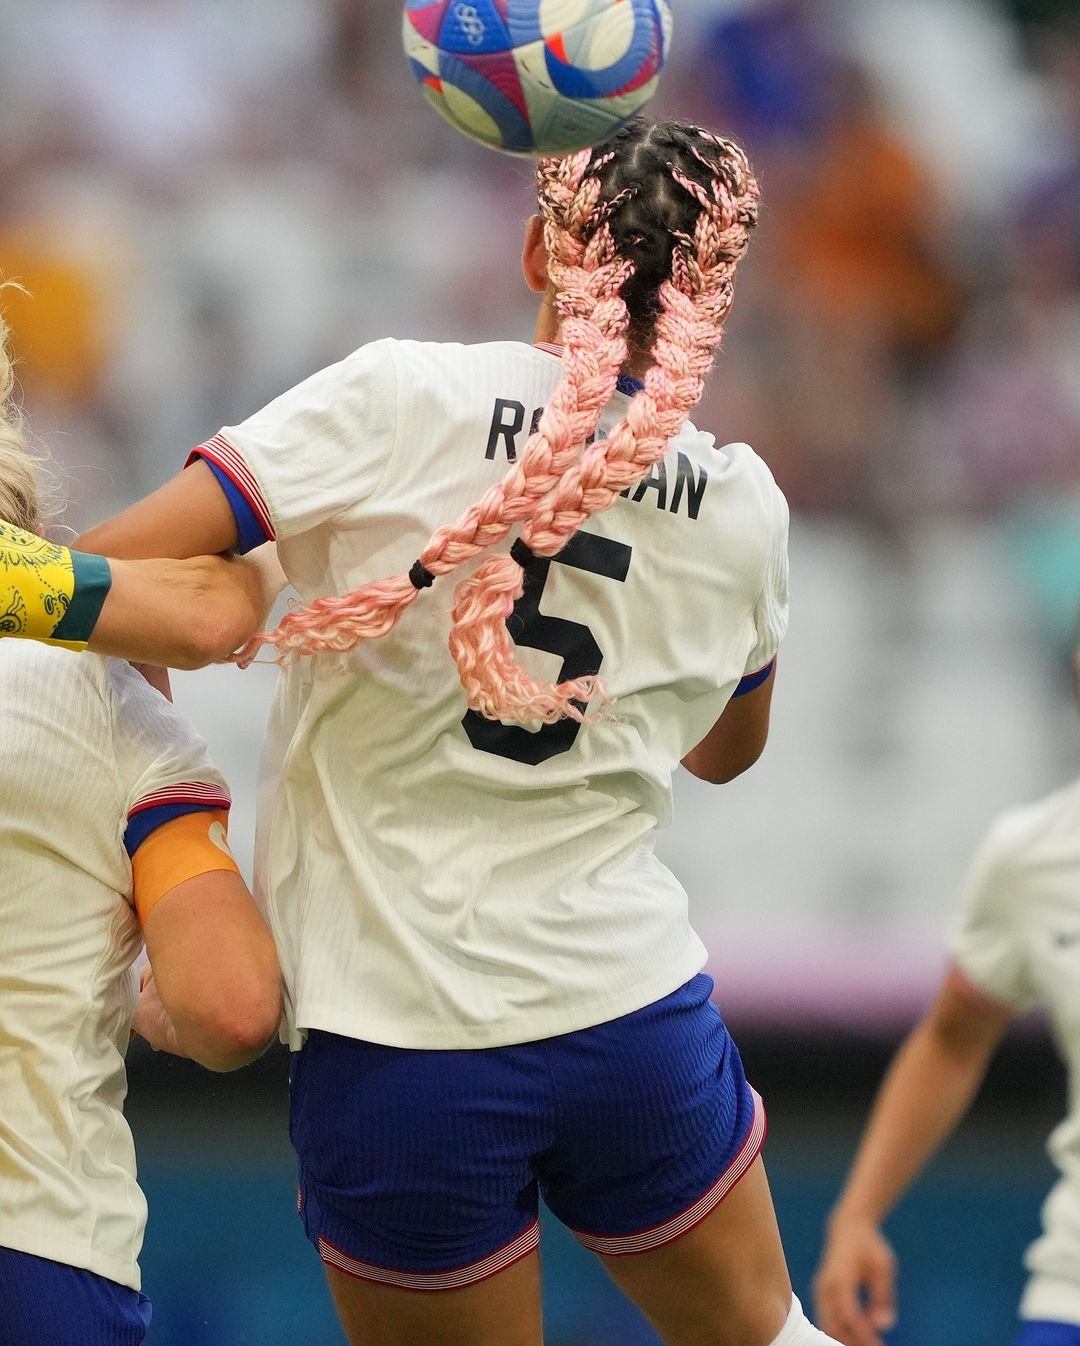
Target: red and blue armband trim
[
  {"x": 753, "y": 681},
  {"x": 163, "y": 806},
  {"x": 249, "y": 508}
]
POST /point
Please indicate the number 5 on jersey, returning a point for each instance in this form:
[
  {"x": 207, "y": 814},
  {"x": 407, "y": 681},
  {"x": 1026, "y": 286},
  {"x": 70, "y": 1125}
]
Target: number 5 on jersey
[{"x": 533, "y": 629}]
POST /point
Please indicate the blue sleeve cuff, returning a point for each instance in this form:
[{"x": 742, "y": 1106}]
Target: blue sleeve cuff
[
  {"x": 753, "y": 681},
  {"x": 249, "y": 531},
  {"x": 141, "y": 824}
]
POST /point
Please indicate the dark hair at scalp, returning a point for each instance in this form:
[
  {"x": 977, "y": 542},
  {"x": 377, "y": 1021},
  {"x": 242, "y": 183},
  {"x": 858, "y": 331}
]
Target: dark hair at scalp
[{"x": 650, "y": 210}]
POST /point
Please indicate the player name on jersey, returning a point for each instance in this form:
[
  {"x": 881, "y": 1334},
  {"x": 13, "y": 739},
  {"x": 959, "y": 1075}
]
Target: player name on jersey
[{"x": 687, "y": 490}]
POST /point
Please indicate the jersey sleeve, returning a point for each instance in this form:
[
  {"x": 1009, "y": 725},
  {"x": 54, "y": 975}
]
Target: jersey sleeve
[
  {"x": 312, "y": 454},
  {"x": 986, "y": 943},
  {"x": 164, "y": 767},
  {"x": 771, "y": 609}
]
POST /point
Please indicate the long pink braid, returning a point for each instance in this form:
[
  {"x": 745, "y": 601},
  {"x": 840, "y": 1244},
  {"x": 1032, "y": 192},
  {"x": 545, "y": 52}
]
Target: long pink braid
[
  {"x": 588, "y": 277},
  {"x": 694, "y": 305}
]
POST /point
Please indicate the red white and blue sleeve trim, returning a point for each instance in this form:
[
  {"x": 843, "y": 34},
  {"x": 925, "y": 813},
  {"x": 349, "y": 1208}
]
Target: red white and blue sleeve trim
[
  {"x": 752, "y": 681},
  {"x": 246, "y": 500},
  {"x": 153, "y": 810}
]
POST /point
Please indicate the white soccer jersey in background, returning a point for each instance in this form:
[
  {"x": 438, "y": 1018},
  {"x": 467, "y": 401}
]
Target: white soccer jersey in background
[
  {"x": 1019, "y": 943},
  {"x": 435, "y": 880},
  {"x": 87, "y": 743}
]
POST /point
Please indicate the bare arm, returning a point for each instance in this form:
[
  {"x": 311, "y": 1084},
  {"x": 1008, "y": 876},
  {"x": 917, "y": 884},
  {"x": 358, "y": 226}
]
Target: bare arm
[
  {"x": 926, "y": 1091},
  {"x": 185, "y": 614},
  {"x": 188, "y": 516},
  {"x": 736, "y": 740},
  {"x": 215, "y": 971},
  {"x": 197, "y": 607}
]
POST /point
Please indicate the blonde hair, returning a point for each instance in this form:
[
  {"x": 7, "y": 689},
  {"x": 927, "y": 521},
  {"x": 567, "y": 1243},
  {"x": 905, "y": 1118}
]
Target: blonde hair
[{"x": 20, "y": 492}]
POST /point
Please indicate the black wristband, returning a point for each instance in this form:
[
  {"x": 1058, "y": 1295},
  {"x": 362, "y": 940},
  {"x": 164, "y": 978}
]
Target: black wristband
[
  {"x": 522, "y": 553},
  {"x": 420, "y": 577}
]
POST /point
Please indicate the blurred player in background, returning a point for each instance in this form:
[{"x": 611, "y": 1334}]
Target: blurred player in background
[
  {"x": 112, "y": 833},
  {"x": 1017, "y": 946},
  {"x": 493, "y": 989}
]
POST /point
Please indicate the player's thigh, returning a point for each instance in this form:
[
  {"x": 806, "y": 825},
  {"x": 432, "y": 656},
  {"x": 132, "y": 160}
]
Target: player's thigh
[
  {"x": 725, "y": 1283},
  {"x": 45, "y": 1303},
  {"x": 503, "y": 1310}
]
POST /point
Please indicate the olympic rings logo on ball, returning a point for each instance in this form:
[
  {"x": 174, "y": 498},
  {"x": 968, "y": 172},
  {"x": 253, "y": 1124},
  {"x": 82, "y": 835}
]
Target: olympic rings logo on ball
[{"x": 472, "y": 25}]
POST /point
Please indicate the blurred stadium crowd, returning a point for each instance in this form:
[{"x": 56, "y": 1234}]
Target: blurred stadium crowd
[{"x": 209, "y": 199}]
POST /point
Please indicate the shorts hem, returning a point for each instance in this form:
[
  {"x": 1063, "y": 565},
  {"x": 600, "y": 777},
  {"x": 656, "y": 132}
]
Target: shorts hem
[
  {"x": 457, "y": 1278},
  {"x": 657, "y": 1236}
]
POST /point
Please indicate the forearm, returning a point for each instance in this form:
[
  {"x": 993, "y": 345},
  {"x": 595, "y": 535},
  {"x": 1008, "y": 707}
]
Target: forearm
[
  {"x": 180, "y": 614},
  {"x": 216, "y": 977},
  {"x": 925, "y": 1093}
]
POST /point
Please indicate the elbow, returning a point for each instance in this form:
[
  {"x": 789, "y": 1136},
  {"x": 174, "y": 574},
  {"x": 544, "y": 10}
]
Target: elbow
[
  {"x": 212, "y": 634},
  {"x": 236, "y": 1031},
  {"x": 208, "y": 640},
  {"x": 219, "y": 617},
  {"x": 721, "y": 770}
]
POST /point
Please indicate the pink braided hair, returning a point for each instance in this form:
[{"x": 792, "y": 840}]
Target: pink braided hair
[
  {"x": 694, "y": 305},
  {"x": 559, "y": 480},
  {"x": 587, "y": 277}
]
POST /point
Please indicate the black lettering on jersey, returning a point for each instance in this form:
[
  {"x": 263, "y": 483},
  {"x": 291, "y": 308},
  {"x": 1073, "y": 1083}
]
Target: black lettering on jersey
[
  {"x": 655, "y": 481},
  {"x": 506, "y": 421},
  {"x": 695, "y": 487},
  {"x": 504, "y": 429},
  {"x": 689, "y": 480}
]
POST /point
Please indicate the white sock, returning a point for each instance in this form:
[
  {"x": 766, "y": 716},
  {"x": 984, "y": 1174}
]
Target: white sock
[{"x": 800, "y": 1331}]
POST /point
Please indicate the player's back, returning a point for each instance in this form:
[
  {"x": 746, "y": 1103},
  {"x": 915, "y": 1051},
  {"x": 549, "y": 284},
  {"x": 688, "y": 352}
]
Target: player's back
[
  {"x": 87, "y": 747},
  {"x": 66, "y": 987},
  {"x": 457, "y": 881}
]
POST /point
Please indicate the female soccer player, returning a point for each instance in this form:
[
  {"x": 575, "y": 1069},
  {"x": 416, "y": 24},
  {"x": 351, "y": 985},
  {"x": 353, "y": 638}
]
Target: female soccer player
[
  {"x": 1017, "y": 945},
  {"x": 493, "y": 991},
  {"x": 112, "y": 833}
]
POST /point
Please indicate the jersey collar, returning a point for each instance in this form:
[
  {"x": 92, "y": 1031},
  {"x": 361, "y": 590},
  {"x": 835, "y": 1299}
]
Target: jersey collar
[{"x": 625, "y": 383}]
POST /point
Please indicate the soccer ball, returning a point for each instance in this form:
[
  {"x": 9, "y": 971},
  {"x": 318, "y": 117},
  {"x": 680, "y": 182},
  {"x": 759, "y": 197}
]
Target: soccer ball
[{"x": 537, "y": 76}]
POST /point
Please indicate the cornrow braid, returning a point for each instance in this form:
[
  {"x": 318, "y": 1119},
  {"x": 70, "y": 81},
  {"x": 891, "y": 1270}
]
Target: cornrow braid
[
  {"x": 691, "y": 308},
  {"x": 643, "y": 236}
]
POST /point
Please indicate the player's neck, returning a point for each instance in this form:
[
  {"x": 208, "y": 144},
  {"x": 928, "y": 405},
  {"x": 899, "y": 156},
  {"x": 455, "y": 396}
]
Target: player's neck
[{"x": 549, "y": 332}]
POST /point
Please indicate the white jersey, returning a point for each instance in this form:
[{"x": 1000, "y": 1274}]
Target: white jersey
[
  {"x": 1019, "y": 943},
  {"x": 434, "y": 879},
  {"x": 86, "y": 743}
]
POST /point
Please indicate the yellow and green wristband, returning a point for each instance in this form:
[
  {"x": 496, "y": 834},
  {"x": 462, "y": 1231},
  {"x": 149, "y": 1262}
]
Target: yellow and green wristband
[{"x": 48, "y": 592}]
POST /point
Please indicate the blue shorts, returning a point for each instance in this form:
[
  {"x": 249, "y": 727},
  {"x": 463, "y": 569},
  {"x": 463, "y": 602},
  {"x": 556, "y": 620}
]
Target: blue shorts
[
  {"x": 423, "y": 1169},
  {"x": 45, "y": 1303},
  {"x": 1038, "y": 1333}
]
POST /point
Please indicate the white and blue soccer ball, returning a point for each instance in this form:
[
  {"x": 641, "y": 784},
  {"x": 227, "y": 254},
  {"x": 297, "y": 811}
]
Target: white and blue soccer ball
[{"x": 537, "y": 76}]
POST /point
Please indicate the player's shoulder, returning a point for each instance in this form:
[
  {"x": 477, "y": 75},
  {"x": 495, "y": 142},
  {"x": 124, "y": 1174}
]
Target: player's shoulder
[
  {"x": 49, "y": 675},
  {"x": 416, "y": 350},
  {"x": 445, "y": 365},
  {"x": 736, "y": 467},
  {"x": 1019, "y": 837}
]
